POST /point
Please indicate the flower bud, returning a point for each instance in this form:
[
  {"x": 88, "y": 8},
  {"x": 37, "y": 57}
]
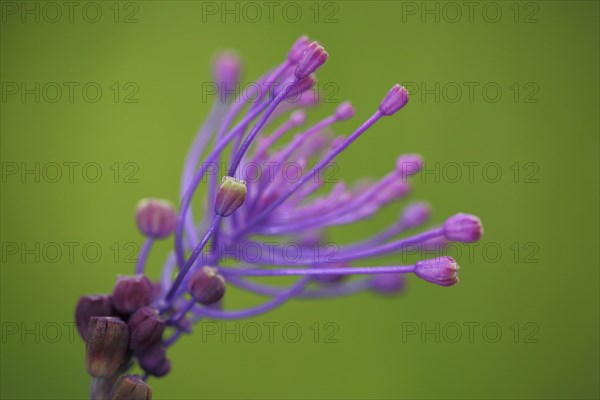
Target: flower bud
[
  {"x": 415, "y": 215},
  {"x": 442, "y": 271},
  {"x": 409, "y": 164},
  {"x": 207, "y": 286},
  {"x": 344, "y": 111},
  {"x": 92, "y": 306},
  {"x": 131, "y": 293},
  {"x": 230, "y": 197},
  {"x": 155, "y": 218},
  {"x": 388, "y": 283},
  {"x": 154, "y": 360},
  {"x": 145, "y": 328},
  {"x": 330, "y": 279},
  {"x": 297, "y": 50},
  {"x": 107, "y": 339},
  {"x": 313, "y": 57},
  {"x": 298, "y": 117},
  {"x": 226, "y": 71},
  {"x": 396, "y": 98},
  {"x": 303, "y": 86},
  {"x": 464, "y": 228},
  {"x": 131, "y": 387}
]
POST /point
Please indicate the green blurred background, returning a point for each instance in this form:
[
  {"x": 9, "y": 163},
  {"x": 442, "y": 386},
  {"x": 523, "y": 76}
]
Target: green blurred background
[{"x": 534, "y": 276}]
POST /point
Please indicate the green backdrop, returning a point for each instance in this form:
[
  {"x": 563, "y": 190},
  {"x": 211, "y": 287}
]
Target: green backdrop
[{"x": 100, "y": 102}]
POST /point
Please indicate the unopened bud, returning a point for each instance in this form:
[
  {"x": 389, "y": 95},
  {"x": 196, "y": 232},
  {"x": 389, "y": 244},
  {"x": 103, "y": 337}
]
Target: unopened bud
[
  {"x": 131, "y": 387},
  {"x": 154, "y": 361},
  {"x": 207, "y": 286},
  {"x": 131, "y": 293},
  {"x": 464, "y": 228},
  {"x": 155, "y": 218},
  {"x": 92, "y": 306},
  {"x": 230, "y": 197},
  {"x": 145, "y": 328},
  {"x": 344, "y": 111},
  {"x": 314, "y": 56},
  {"x": 226, "y": 71},
  {"x": 107, "y": 339},
  {"x": 297, "y": 50},
  {"x": 396, "y": 98},
  {"x": 442, "y": 271}
]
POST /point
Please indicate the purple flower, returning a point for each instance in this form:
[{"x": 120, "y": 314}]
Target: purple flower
[
  {"x": 442, "y": 271},
  {"x": 274, "y": 189}
]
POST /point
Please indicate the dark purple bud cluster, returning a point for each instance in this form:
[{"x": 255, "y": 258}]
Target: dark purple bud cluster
[{"x": 118, "y": 327}]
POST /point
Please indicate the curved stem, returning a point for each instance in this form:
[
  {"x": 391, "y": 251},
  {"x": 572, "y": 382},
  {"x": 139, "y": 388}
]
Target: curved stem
[{"x": 141, "y": 262}]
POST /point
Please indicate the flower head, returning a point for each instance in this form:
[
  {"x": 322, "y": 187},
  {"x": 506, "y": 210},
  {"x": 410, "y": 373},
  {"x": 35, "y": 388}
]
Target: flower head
[{"x": 288, "y": 199}]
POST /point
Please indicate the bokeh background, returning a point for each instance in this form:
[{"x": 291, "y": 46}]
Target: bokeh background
[{"x": 509, "y": 88}]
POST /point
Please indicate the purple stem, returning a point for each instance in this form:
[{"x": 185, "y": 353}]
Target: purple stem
[
  {"x": 343, "y": 289},
  {"x": 141, "y": 263},
  {"x": 258, "y": 126},
  {"x": 401, "y": 269},
  {"x": 190, "y": 261},
  {"x": 294, "y": 290}
]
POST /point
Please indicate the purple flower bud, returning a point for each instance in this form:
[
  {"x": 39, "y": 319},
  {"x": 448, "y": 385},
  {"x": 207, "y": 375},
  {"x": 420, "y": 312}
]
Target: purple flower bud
[
  {"x": 131, "y": 293},
  {"x": 207, "y": 286},
  {"x": 392, "y": 191},
  {"x": 155, "y": 218},
  {"x": 344, "y": 111},
  {"x": 303, "y": 86},
  {"x": 415, "y": 215},
  {"x": 131, "y": 387},
  {"x": 463, "y": 228},
  {"x": 145, "y": 328},
  {"x": 330, "y": 279},
  {"x": 154, "y": 360},
  {"x": 396, "y": 98},
  {"x": 297, "y": 50},
  {"x": 107, "y": 339},
  {"x": 231, "y": 195},
  {"x": 226, "y": 71},
  {"x": 92, "y": 306},
  {"x": 409, "y": 164},
  {"x": 388, "y": 283},
  {"x": 314, "y": 56},
  {"x": 298, "y": 117},
  {"x": 442, "y": 271}
]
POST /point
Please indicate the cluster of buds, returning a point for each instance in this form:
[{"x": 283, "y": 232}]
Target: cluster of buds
[{"x": 141, "y": 319}]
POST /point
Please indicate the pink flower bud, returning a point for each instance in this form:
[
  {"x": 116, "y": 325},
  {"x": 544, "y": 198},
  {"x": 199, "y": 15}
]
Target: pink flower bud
[
  {"x": 396, "y": 98},
  {"x": 155, "y": 218}
]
